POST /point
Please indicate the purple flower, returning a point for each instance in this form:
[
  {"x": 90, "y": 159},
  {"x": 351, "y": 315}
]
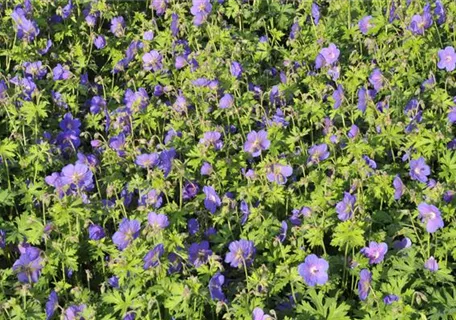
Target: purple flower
[
  {"x": 420, "y": 23},
  {"x": 419, "y": 170},
  {"x": 175, "y": 263},
  {"x": 279, "y": 173},
  {"x": 296, "y": 215},
  {"x": 389, "y": 299},
  {"x": 35, "y": 70},
  {"x": 51, "y": 304},
  {"x": 200, "y": 10},
  {"x": 190, "y": 190},
  {"x": 440, "y": 12},
  {"x": 206, "y": 169},
  {"x": 318, "y": 153},
  {"x": 118, "y": 26},
  {"x": 283, "y": 231},
  {"x": 151, "y": 198},
  {"x": 138, "y": 100},
  {"x": 114, "y": 282},
  {"x": 117, "y": 142},
  {"x": 157, "y": 221},
  {"x": 353, "y": 132},
  {"x": 258, "y": 314},
  {"x": 215, "y": 287},
  {"x": 74, "y": 312},
  {"x": 257, "y": 142},
  {"x": 346, "y": 207},
  {"x": 96, "y": 232},
  {"x": 338, "y": 96},
  {"x": 174, "y": 24},
  {"x": 2, "y": 237},
  {"x": 402, "y": 244},
  {"x": 375, "y": 252},
  {"x": 314, "y": 270},
  {"x": 398, "y": 187},
  {"x": 212, "y": 201},
  {"x": 327, "y": 56},
  {"x": 198, "y": 253},
  {"x": 365, "y": 25},
  {"x": 295, "y": 28},
  {"x": 159, "y": 6},
  {"x": 236, "y": 69},
  {"x": 193, "y": 226},
  {"x": 166, "y": 160},
  {"x": 128, "y": 231},
  {"x": 61, "y": 72},
  {"x": 147, "y": 160},
  {"x": 46, "y": 48},
  {"x": 29, "y": 265},
  {"x": 152, "y": 258},
  {"x": 97, "y": 103},
  {"x": 430, "y": 215},
  {"x": 100, "y": 42},
  {"x": 242, "y": 251},
  {"x": 26, "y": 29},
  {"x": 376, "y": 79},
  {"x": 77, "y": 176},
  {"x": 452, "y": 115},
  {"x": 152, "y": 61},
  {"x": 365, "y": 278},
  {"x": 212, "y": 138},
  {"x": 447, "y": 59},
  {"x": 315, "y": 10},
  {"x": 362, "y": 99},
  {"x": 226, "y": 101},
  {"x": 431, "y": 264}
]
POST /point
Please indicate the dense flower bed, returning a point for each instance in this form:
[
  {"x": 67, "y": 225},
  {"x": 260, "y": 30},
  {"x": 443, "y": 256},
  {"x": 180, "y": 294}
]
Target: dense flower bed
[{"x": 258, "y": 159}]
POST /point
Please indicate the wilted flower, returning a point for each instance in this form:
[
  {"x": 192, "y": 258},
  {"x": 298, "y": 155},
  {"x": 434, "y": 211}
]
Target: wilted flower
[
  {"x": 29, "y": 265},
  {"x": 242, "y": 251},
  {"x": 198, "y": 253},
  {"x": 152, "y": 258},
  {"x": 257, "y": 142},
  {"x": 296, "y": 215},
  {"x": 430, "y": 215},
  {"x": 419, "y": 170},
  {"x": 440, "y": 12},
  {"x": 174, "y": 24},
  {"x": 338, "y": 96},
  {"x": 375, "y": 252},
  {"x": 206, "y": 169},
  {"x": 365, "y": 278},
  {"x": 447, "y": 59},
  {"x": 431, "y": 264},
  {"x": 314, "y": 270},
  {"x": 128, "y": 231},
  {"x": 283, "y": 231},
  {"x": 193, "y": 226}
]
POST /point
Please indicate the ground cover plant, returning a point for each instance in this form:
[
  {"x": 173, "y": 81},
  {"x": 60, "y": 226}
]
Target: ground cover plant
[{"x": 258, "y": 159}]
